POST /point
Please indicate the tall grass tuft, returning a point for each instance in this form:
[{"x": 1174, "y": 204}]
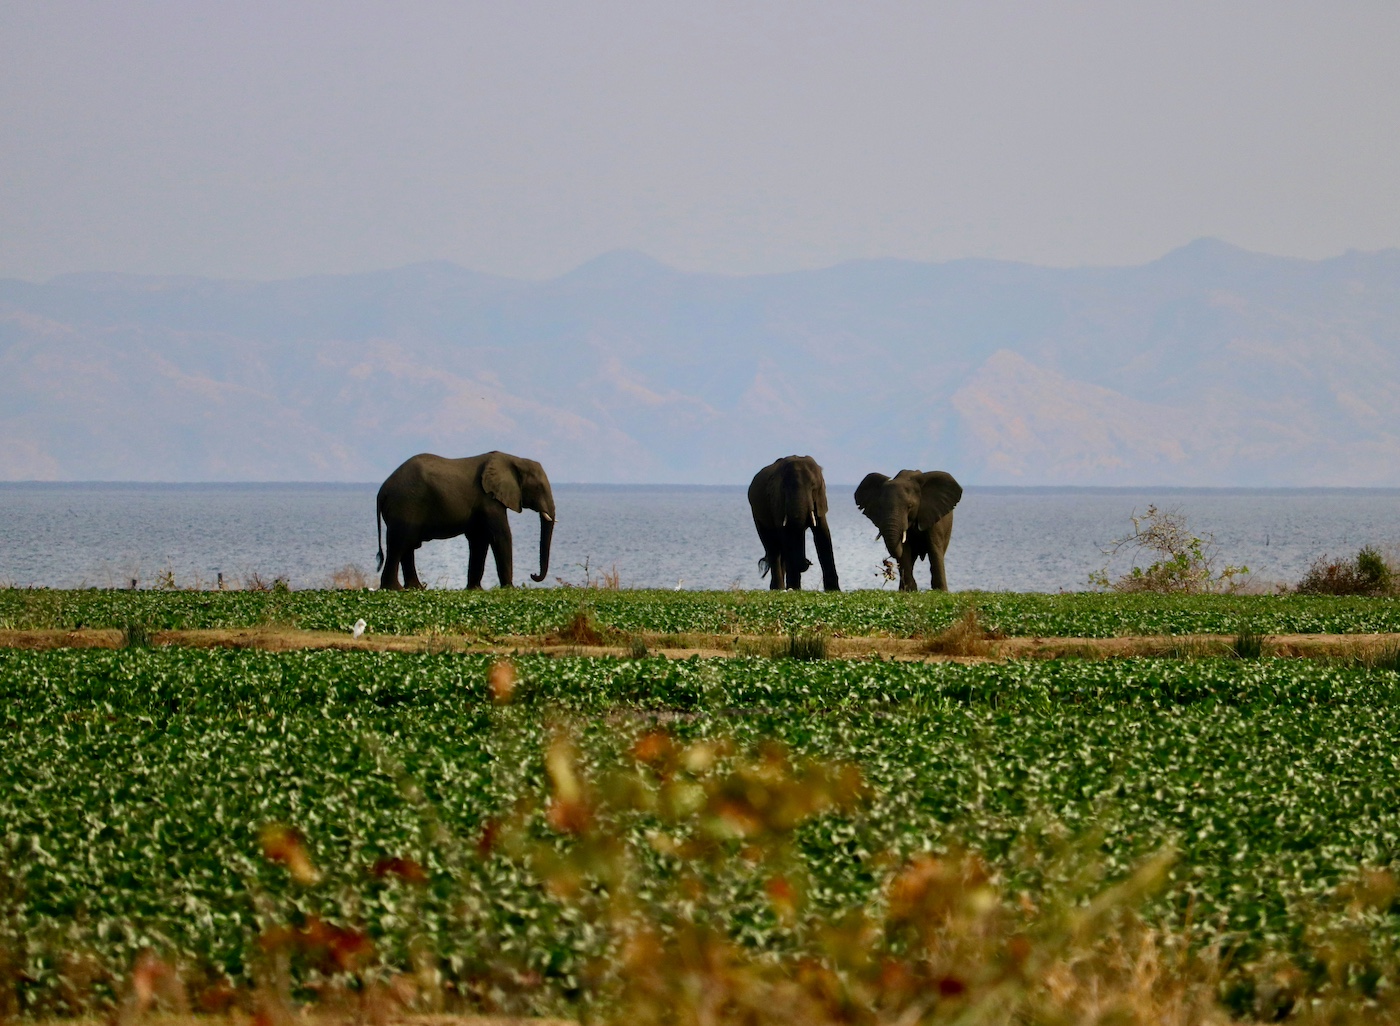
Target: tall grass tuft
[
  {"x": 1248, "y": 644},
  {"x": 137, "y": 635},
  {"x": 806, "y": 647},
  {"x": 1386, "y": 658}
]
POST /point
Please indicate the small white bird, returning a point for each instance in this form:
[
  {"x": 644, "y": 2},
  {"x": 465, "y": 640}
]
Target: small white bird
[
  {"x": 358, "y": 629},
  {"x": 679, "y": 582}
]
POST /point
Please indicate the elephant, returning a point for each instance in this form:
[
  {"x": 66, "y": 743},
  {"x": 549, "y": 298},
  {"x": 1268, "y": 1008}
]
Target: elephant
[
  {"x": 430, "y": 497},
  {"x": 787, "y": 497},
  {"x": 914, "y": 512}
]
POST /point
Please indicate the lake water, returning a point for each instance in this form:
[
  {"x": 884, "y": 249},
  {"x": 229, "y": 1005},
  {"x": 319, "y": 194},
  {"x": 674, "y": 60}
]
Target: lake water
[{"x": 1019, "y": 539}]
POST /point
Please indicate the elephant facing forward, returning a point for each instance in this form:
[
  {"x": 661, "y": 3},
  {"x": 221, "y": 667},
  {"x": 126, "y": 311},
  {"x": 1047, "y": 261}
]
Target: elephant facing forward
[
  {"x": 787, "y": 498},
  {"x": 914, "y": 512},
  {"x": 430, "y": 497}
]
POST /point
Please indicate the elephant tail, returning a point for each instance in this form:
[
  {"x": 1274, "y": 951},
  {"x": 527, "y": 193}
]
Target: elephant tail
[{"x": 379, "y": 534}]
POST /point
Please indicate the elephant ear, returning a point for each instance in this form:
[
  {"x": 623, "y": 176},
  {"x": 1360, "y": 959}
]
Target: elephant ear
[
  {"x": 868, "y": 493},
  {"x": 818, "y": 490},
  {"x": 501, "y": 482},
  {"x": 774, "y": 495},
  {"x": 938, "y": 494}
]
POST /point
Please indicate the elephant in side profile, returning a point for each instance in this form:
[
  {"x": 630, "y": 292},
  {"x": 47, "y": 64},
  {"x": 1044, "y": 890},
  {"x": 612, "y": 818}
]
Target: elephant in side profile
[
  {"x": 787, "y": 497},
  {"x": 430, "y": 497},
  {"x": 914, "y": 512}
]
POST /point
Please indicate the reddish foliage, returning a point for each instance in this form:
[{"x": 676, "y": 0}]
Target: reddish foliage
[{"x": 405, "y": 869}]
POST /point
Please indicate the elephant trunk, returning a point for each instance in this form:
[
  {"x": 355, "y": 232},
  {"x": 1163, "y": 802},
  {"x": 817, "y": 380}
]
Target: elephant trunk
[
  {"x": 894, "y": 529},
  {"x": 546, "y": 535}
]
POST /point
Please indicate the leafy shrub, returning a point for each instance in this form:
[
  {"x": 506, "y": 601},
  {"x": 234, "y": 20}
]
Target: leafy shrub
[
  {"x": 1181, "y": 561},
  {"x": 1367, "y": 574}
]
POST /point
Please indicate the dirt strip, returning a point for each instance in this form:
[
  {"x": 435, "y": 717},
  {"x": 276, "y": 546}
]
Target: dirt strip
[
  {"x": 313, "y": 1017},
  {"x": 283, "y": 639}
]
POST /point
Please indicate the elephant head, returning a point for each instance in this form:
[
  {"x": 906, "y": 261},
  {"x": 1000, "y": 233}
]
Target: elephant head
[
  {"x": 520, "y": 483},
  {"x": 911, "y": 503},
  {"x": 788, "y": 498}
]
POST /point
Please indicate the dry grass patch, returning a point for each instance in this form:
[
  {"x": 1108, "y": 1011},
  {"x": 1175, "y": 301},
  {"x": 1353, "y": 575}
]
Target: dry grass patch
[
  {"x": 582, "y": 629},
  {"x": 47, "y": 639},
  {"x": 349, "y": 578},
  {"x": 313, "y": 1017},
  {"x": 582, "y": 636},
  {"x": 964, "y": 637}
]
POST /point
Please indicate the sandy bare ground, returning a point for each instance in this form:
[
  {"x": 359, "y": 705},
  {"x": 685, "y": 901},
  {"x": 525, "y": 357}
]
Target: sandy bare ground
[{"x": 282, "y": 639}]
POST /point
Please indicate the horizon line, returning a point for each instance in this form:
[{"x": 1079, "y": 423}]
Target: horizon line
[
  {"x": 637, "y": 485},
  {"x": 661, "y": 264}
]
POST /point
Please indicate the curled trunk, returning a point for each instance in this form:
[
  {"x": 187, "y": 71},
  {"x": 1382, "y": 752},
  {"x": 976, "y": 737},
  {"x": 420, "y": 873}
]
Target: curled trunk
[{"x": 546, "y": 535}]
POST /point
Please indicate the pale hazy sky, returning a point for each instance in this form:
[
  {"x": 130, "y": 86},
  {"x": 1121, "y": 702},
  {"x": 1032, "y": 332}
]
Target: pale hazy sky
[{"x": 278, "y": 138}]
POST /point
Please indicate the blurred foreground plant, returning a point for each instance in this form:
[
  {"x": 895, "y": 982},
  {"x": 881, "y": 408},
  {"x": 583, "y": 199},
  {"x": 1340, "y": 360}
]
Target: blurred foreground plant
[
  {"x": 938, "y": 938},
  {"x": 938, "y": 943}
]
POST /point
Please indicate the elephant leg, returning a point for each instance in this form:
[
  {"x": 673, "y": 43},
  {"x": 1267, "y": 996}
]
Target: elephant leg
[
  {"x": 937, "y": 576},
  {"x": 821, "y": 539},
  {"x": 773, "y": 556},
  {"x": 477, "y": 544},
  {"x": 795, "y": 560},
  {"x": 906, "y": 569},
  {"x": 395, "y": 543},
  {"x": 938, "y": 538},
  {"x": 499, "y": 529},
  {"x": 410, "y": 570}
]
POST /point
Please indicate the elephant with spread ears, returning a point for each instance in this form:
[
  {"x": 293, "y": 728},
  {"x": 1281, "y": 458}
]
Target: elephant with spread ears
[
  {"x": 788, "y": 498},
  {"x": 430, "y": 497},
  {"x": 914, "y": 512}
]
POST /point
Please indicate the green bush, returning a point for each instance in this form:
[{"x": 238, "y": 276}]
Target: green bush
[
  {"x": 1181, "y": 562},
  {"x": 1366, "y": 574}
]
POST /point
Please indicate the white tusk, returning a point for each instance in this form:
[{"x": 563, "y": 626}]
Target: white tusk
[
  {"x": 785, "y": 521},
  {"x": 903, "y": 537},
  {"x": 814, "y": 518},
  {"x": 547, "y": 517}
]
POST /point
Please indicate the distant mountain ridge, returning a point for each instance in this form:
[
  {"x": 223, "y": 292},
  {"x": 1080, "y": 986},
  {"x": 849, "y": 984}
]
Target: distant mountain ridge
[{"x": 1209, "y": 366}]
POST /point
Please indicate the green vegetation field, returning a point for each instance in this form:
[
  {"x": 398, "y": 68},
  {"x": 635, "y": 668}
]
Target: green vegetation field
[
  {"x": 138, "y": 779},
  {"x": 536, "y": 611}
]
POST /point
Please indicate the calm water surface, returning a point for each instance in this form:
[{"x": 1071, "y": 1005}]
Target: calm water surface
[{"x": 1020, "y": 539}]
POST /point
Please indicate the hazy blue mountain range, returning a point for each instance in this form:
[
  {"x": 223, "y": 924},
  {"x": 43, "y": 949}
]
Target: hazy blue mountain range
[{"x": 1210, "y": 366}]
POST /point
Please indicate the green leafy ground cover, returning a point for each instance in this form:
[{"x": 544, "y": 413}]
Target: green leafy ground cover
[
  {"x": 536, "y": 611},
  {"x": 137, "y": 782}
]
